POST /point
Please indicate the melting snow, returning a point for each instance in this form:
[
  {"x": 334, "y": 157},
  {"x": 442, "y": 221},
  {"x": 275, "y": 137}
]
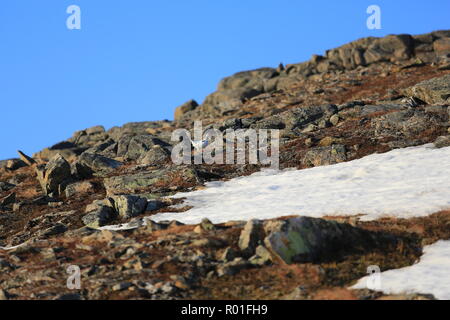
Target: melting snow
[
  {"x": 403, "y": 183},
  {"x": 430, "y": 276}
]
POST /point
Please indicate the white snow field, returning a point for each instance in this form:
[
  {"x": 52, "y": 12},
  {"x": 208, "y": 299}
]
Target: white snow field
[
  {"x": 404, "y": 183},
  {"x": 429, "y": 276}
]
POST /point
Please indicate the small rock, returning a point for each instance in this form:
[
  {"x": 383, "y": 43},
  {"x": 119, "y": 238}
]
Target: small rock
[
  {"x": 232, "y": 268},
  {"x": 3, "y": 295},
  {"x": 262, "y": 256},
  {"x": 250, "y": 237},
  {"x": 69, "y": 296},
  {"x": 156, "y": 155},
  {"x": 99, "y": 214},
  {"x": 79, "y": 188},
  {"x": 28, "y": 160},
  {"x": 55, "y": 173},
  {"x": 229, "y": 255},
  {"x": 205, "y": 226},
  {"x": 129, "y": 206},
  {"x": 442, "y": 142},
  {"x": 334, "y": 120},
  {"x": 89, "y": 164},
  {"x": 306, "y": 239},
  {"x": 5, "y": 186},
  {"x": 14, "y": 164},
  {"x": 8, "y": 200},
  {"x": 122, "y": 286}
]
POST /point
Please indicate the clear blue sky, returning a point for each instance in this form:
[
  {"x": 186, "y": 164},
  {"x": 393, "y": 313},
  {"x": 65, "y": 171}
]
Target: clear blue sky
[{"x": 137, "y": 60}]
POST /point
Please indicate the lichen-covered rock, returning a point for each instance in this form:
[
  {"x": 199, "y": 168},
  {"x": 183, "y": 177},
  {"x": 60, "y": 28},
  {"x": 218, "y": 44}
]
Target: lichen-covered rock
[
  {"x": 99, "y": 214},
  {"x": 155, "y": 156},
  {"x": 433, "y": 91},
  {"x": 250, "y": 237},
  {"x": 143, "y": 182},
  {"x": 89, "y": 164},
  {"x": 53, "y": 175},
  {"x": 322, "y": 156},
  {"x": 442, "y": 142},
  {"x": 128, "y": 206},
  {"x": 306, "y": 239},
  {"x": 79, "y": 189},
  {"x": 184, "y": 108}
]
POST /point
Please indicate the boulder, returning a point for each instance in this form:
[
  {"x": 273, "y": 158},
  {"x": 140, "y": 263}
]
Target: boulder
[
  {"x": 79, "y": 189},
  {"x": 5, "y": 186},
  {"x": 128, "y": 206},
  {"x": 442, "y": 46},
  {"x": 305, "y": 239},
  {"x": 185, "y": 108},
  {"x": 99, "y": 214},
  {"x": 322, "y": 156},
  {"x": 250, "y": 237},
  {"x": 144, "y": 181},
  {"x": 432, "y": 91},
  {"x": 55, "y": 175},
  {"x": 89, "y": 164},
  {"x": 262, "y": 256},
  {"x": 442, "y": 142},
  {"x": 155, "y": 156}
]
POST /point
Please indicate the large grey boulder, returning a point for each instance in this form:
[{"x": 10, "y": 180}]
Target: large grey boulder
[
  {"x": 99, "y": 213},
  {"x": 135, "y": 147},
  {"x": 128, "y": 206},
  {"x": 144, "y": 182},
  {"x": 185, "y": 108},
  {"x": 305, "y": 239},
  {"x": 54, "y": 176},
  {"x": 89, "y": 164},
  {"x": 155, "y": 156},
  {"x": 433, "y": 91}
]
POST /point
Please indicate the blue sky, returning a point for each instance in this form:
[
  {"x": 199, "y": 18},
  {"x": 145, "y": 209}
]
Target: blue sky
[{"x": 137, "y": 60}]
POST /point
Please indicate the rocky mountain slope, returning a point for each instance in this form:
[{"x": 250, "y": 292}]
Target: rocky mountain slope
[{"x": 63, "y": 205}]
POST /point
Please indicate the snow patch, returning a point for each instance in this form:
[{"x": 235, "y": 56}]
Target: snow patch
[
  {"x": 403, "y": 183},
  {"x": 429, "y": 276}
]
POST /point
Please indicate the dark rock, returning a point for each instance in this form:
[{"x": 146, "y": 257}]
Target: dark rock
[
  {"x": 433, "y": 91},
  {"x": 29, "y": 161},
  {"x": 155, "y": 156},
  {"x": 442, "y": 142},
  {"x": 99, "y": 214},
  {"x": 5, "y": 186},
  {"x": 307, "y": 239},
  {"x": 250, "y": 237},
  {"x": 8, "y": 200},
  {"x": 128, "y": 206},
  {"x": 89, "y": 164},
  {"x": 14, "y": 164},
  {"x": 233, "y": 267},
  {"x": 141, "y": 182},
  {"x": 262, "y": 257},
  {"x": 55, "y": 174},
  {"x": 69, "y": 296},
  {"x": 79, "y": 189},
  {"x": 54, "y": 230},
  {"x": 185, "y": 108}
]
